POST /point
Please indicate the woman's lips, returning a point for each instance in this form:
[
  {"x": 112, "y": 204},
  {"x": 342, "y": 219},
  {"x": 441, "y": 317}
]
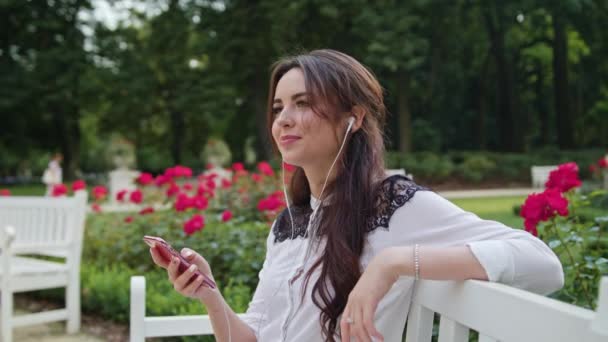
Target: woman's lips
[{"x": 289, "y": 139}]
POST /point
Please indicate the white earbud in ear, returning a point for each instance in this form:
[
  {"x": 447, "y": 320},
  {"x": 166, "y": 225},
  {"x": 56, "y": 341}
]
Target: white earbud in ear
[{"x": 351, "y": 122}]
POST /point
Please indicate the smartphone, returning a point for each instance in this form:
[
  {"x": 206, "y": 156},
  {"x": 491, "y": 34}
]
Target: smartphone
[{"x": 167, "y": 252}]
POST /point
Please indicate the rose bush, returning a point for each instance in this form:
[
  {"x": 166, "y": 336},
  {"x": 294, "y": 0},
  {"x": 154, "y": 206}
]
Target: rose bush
[
  {"x": 574, "y": 225},
  {"x": 235, "y": 192}
]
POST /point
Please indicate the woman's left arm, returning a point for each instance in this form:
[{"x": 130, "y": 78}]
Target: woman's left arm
[
  {"x": 446, "y": 263},
  {"x": 458, "y": 245},
  {"x": 453, "y": 245}
]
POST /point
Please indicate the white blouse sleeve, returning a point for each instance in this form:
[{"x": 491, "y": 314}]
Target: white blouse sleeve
[
  {"x": 254, "y": 316},
  {"x": 509, "y": 256}
]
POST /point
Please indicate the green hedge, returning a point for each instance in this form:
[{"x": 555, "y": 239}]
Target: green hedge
[
  {"x": 235, "y": 250},
  {"x": 475, "y": 166}
]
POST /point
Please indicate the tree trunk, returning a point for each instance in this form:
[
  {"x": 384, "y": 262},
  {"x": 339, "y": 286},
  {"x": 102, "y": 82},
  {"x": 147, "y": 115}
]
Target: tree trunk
[
  {"x": 177, "y": 132},
  {"x": 403, "y": 112},
  {"x": 68, "y": 132},
  {"x": 565, "y": 122},
  {"x": 541, "y": 106},
  {"x": 258, "y": 101},
  {"x": 482, "y": 105},
  {"x": 506, "y": 83}
]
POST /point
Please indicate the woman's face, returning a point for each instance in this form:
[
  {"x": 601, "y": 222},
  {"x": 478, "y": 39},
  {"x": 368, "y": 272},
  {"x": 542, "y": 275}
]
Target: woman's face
[{"x": 304, "y": 138}]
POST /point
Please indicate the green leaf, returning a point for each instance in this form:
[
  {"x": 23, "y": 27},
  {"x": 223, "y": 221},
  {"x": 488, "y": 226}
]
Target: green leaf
[
  {"x": 554, "y": 244},
  {"x": 601, "y": 219},
  {"x": 601, "y": 261}
]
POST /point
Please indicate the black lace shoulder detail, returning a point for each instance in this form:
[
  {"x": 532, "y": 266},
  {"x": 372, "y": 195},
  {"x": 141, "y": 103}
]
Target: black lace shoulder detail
[
  {"x": 393, "y": 193},
  {"x": 282, "y": 227}
]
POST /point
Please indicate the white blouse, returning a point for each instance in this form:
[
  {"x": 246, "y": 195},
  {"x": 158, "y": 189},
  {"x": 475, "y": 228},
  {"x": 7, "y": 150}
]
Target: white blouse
[{"x": 509, "y": 256}]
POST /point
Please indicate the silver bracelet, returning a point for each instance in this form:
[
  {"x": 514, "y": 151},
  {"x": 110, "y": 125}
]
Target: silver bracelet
[{"x": 416, "y": 263}]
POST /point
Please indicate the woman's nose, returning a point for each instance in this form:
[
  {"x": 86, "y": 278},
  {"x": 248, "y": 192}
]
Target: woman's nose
[{"x": 285, "y": 118}]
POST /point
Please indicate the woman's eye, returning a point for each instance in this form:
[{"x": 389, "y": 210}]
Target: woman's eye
[
  {"x": 302, "y": 104},
  {"x": 276, "y": 110}
]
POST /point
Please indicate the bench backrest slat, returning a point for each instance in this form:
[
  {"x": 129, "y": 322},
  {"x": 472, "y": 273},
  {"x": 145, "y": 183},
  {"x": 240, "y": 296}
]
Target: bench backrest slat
[
  {"x": 487, "y": 307},
  {"x": 44, "y": 221}
]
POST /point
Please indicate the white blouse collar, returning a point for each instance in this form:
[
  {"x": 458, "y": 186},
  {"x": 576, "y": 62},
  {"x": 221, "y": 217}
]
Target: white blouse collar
[{"x": 315, "y": 202}]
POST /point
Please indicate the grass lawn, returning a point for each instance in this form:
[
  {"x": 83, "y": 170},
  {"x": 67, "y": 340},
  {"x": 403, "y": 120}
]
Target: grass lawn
[{"x": 494, "y": 208}]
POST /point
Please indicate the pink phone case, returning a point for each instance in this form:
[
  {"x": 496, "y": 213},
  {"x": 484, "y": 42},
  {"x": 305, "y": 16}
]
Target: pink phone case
[{"x": 167, "y": 252}]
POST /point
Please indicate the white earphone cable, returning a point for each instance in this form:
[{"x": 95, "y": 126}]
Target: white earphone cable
[{"x": 312, "y": 216}]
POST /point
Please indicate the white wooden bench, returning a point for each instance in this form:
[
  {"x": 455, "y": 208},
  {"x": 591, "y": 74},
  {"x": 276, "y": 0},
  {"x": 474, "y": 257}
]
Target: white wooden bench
[
  {"x": 498, "y": 312},
  {"x": 502, "y": 313},
  {"x": 141, "y": 326},
  {"x": 540, "y": 175},
  {"x": 48, "y": 227}
]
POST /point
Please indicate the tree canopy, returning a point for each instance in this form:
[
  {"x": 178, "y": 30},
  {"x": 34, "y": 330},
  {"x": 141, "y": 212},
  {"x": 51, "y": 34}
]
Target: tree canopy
[{"x": 514, "y": 75}]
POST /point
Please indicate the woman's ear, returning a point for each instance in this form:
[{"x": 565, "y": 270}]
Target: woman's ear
[{"x": 359, "y": 113}]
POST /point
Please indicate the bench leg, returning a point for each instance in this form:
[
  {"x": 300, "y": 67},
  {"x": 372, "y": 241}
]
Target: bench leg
[
  {"x": 137, "y": 321},
  {"x": 6, "y": 330},
  {"x": 72, "y": 298}
]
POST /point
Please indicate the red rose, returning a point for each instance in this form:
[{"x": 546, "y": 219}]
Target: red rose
[
  {"x": 542, "y": 207},
  {"x": 96, "y": 207},
  {"x": 256, "y": 177},
  {"x": 183, "y": 202},
  {"x": 592, "y": 168},
  {"x": 200, "y": 202},
  {"x": 239, "y": 174},
  {"x": 194, "y": 224},
  {"x": 5, "y": 192},
  {"x": 226, "y": 216},
  {"x": 79, "y": 185},
  {"x": 59, "y": 190},
  {"x": 128, "y": 219},
  {"x": 238, "y": 167},
  {"x": 100, "y": 192},
  {"x": 265, "y": 168},
  {"x": 120, "y": 196},
  {"x": 161, "y": 180},
  {"x": 201, "y": 190},
  {"x": 289, "y": 167},
  {"x": 185, "y": 171},
  {"x": 178, "y": 171},
  {"x": 136, "y": 197},
  {"x": 173, "y": 190},
  {"x": 145, "y": 178},
  {"x": 210, "y": 184},
  {"x": 270, "y": 203},
  {"x": 564, "y": 178},
  {"x": 603, "y": 163},
  {"x": 187, "y": 187},
  {"x": 226, "y": 184},
  {"x": 146, "y": 210},
  {"x": 170, "y": 172},
  {"x": 209, "y": 166}
]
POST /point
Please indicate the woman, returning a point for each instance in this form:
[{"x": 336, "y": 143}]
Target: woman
[
  {"x": 341, "y": 261},
  {"x": 53, "y": 174}
]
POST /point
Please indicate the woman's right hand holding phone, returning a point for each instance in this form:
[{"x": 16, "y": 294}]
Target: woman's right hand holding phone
[{"x": 194, "y": 289}]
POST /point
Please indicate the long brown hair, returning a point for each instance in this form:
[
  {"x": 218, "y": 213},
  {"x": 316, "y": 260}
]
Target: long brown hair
[{"x": 337, "y": 83}]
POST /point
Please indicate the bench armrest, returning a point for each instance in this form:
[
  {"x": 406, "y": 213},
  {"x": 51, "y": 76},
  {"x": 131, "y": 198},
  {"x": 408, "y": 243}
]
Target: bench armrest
[{"x": 7, "y": 236}]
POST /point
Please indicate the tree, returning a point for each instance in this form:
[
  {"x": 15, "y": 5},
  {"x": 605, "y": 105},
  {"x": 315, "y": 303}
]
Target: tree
[{"x": 42, "y": 61}]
